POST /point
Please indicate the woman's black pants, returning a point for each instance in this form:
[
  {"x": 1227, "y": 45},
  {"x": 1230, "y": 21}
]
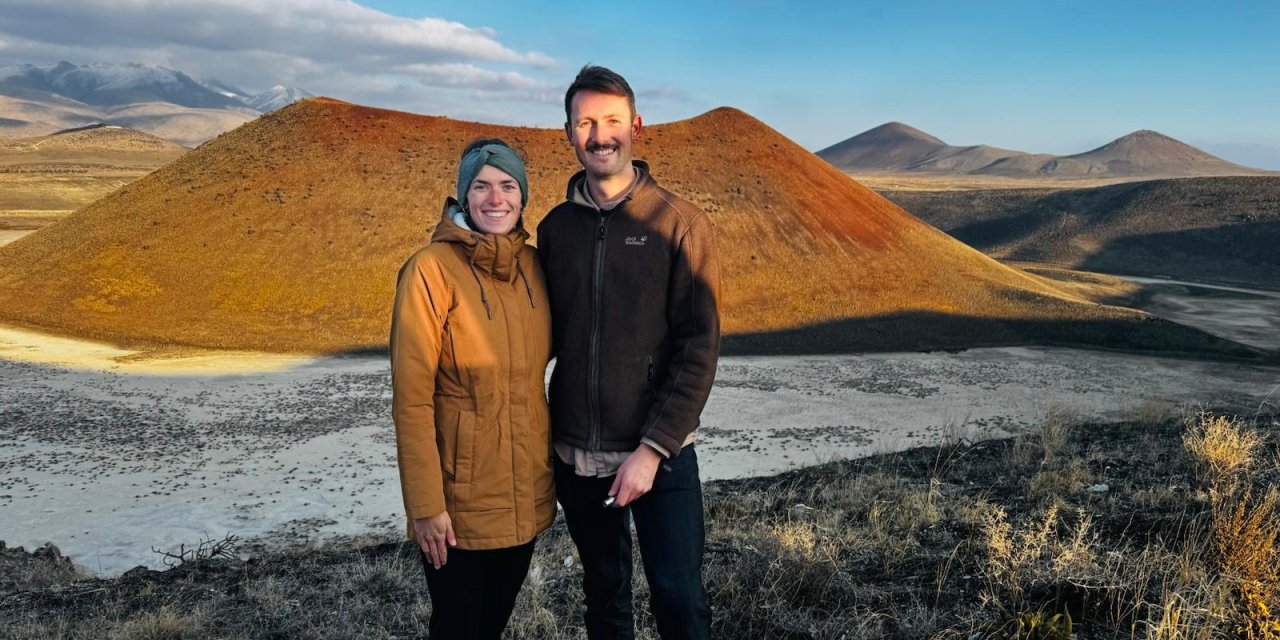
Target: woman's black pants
[{"x": 473, "y": 594}]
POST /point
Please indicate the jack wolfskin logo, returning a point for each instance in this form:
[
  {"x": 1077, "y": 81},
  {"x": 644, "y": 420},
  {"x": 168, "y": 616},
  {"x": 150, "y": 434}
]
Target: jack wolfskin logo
[{"x": 636, "y": 241}]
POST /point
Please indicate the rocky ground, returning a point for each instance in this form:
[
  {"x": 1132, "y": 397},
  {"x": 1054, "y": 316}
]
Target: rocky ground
[{"x": 1126, "y": 529}]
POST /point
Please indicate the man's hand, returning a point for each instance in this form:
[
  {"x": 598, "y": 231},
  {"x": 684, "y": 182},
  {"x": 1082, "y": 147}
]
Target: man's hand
[
  {"x": 435, "y": 536},
  {"x": 635, "y": 476}
]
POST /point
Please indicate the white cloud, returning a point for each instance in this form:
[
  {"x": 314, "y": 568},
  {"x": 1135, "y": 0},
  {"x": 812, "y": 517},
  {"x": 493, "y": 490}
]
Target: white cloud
[
  {"x": 468, "y": 75},
  {"x": 328, "y": 47}
]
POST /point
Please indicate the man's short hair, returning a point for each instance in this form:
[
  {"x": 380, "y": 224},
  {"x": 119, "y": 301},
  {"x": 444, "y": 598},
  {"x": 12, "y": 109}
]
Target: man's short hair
[{"x": 601, "y": 80}]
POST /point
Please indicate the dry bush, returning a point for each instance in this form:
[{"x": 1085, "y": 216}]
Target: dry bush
[
  {"x": 1163, "y": 498},
  {"x": 1220, "y": 445},
  {"x": 1052, "y": 484},
  {"x": 1246, "y": 531},
  {"x": 1034, "y": 554},
  {"x": 162, "y": 624},
  {"x": 1019, "y": 453},
  {"x": 1055, "y": 432}
]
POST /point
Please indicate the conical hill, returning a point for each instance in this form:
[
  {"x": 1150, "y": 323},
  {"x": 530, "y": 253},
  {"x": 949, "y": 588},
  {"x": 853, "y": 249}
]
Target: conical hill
[{"x": 286, "y": 235}]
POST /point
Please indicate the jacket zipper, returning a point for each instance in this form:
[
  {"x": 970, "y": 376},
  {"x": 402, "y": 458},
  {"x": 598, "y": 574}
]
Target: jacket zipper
[
  {"x": 593, "y": 377},
  {"x": 652, "y": 389}
]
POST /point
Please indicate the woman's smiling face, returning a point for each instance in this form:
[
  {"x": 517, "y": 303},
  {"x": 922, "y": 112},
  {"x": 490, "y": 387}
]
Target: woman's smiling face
[{"x": 493, "y": 200}]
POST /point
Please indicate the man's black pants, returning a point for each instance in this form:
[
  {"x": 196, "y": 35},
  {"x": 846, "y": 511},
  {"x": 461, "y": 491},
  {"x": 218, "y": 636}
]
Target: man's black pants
[
  {"x": 670, "y": 529},
  {"x": 473, "y": 594}
]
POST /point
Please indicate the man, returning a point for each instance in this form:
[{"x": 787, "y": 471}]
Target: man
[{"x": 633, "y": 283}]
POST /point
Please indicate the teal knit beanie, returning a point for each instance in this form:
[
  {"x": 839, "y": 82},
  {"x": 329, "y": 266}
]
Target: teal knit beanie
[{"x": 495, "y": 155}]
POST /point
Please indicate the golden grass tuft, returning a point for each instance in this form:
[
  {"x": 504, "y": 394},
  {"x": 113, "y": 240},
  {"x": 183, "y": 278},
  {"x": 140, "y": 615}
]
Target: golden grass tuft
[
  {"x": 1220, "y": 445},
  {"x": 161, "y": 624}
]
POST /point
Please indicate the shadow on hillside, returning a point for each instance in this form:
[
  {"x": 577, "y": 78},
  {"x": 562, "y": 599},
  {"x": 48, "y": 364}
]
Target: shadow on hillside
[
  {"x": 1245, "y": 254},
  {"x": 1221, "y": 230},
  {"x": 921, "y": 331}
]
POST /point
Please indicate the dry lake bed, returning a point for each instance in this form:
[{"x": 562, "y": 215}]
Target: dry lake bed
[{"x": 107, "y": 453}]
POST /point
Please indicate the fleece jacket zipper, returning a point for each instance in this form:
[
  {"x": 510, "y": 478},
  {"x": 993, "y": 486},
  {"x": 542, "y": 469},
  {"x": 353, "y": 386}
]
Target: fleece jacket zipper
[{"x": 593, "y": 369}]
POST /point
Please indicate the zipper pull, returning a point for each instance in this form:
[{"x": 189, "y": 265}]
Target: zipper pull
[{"x": 602, "y": 230}]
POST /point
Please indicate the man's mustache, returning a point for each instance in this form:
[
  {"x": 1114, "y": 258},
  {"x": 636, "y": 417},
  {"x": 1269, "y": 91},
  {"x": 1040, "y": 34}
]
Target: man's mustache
[{"x": 596, "y": 146}]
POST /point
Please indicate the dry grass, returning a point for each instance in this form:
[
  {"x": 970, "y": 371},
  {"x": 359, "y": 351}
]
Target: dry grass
[
  {"x": 1221, "y": 445},
  {"x": 1059, "y": 483},
  {"x": 1055, "y": 433},
  {"x": 898, "y": 546},
  {"x": 162, "y": 624}
]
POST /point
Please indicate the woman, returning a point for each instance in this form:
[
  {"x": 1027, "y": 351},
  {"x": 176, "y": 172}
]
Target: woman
[{"x": 470, "y": 342}]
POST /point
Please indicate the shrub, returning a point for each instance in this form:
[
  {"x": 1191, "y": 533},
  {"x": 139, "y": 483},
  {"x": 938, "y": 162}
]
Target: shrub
[{"x": 1220, "y": 445}]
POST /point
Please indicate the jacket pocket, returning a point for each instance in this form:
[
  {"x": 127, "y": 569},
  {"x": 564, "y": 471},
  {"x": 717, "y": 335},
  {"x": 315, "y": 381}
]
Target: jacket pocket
[{"x": 464, "y": 456}]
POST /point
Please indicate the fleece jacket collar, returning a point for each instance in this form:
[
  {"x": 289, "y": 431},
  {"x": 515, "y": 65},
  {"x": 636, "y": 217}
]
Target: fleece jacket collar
[{"x": 578, "y": 193}]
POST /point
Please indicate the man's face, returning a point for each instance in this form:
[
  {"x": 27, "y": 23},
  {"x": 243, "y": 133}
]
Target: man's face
[
  {"x": 601, "y": 130},
  {"x": 493, "y": 199}
]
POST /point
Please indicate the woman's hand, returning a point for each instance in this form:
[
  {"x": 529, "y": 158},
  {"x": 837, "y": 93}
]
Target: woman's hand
[{"x": 435, "y": 536}]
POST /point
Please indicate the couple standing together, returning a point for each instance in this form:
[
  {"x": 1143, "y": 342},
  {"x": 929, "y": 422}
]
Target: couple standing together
[{"x": 628, "y": 308}]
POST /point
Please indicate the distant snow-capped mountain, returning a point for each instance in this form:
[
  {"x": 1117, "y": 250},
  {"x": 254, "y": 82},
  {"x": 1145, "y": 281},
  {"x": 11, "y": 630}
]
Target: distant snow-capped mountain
[
  {"x": 110, "y": 85},
  {"x": 113, "y": 85},
  {"x": 265, "y": 101},
  {"x": 40, "y": 99},
  {"x": 228, "y": 90},
  {"x": 276, "y": 97}
]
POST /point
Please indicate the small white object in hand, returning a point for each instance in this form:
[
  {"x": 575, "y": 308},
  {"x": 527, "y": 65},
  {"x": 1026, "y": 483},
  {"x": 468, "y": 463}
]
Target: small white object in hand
[{"x": 568, "y": 561}]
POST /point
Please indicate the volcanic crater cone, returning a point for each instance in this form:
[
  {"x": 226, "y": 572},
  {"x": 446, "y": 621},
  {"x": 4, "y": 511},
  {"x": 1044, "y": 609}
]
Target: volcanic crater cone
[{"x": 286, "y": 234}]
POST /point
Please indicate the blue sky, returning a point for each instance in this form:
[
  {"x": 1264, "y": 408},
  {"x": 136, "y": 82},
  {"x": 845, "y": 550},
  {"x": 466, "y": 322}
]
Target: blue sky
[
  {"x": 1051, "y": 77},
  {"x": 1056, "y": 77}
]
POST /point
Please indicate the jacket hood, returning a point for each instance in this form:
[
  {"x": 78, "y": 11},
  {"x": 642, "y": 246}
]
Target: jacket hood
[{"x": 494, "y": 254}]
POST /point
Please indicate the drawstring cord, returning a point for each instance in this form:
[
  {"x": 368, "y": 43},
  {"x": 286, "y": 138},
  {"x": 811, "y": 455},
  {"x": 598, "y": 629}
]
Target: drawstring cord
[
  {"x": 483, "y": 298},
  {"x": 527, "y": 289}
]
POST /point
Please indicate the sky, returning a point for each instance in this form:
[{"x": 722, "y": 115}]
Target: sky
[{"x": 1045, "y": 77}]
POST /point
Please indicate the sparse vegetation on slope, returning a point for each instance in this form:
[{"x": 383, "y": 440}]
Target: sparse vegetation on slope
[{"x": 962, "y": 540}]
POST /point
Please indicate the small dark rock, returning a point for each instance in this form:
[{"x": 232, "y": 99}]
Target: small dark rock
[
  {"x": 136, "y": 572},
  {"x": 52, "y": 553}
]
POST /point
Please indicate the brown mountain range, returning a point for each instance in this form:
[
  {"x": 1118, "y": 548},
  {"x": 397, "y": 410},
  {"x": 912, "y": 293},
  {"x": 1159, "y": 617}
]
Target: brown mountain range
[
  {"x": 897, "y": 148},
  {"x": 286, "y": 235},
  {"x": 1223, "y": 230}
]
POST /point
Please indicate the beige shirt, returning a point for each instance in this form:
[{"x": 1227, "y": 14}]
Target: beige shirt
[{"x": 602, "y": 464}]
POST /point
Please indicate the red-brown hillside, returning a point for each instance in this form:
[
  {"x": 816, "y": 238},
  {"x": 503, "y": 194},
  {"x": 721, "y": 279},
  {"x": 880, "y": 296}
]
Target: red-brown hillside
[{"x": 286, "y": 235}]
